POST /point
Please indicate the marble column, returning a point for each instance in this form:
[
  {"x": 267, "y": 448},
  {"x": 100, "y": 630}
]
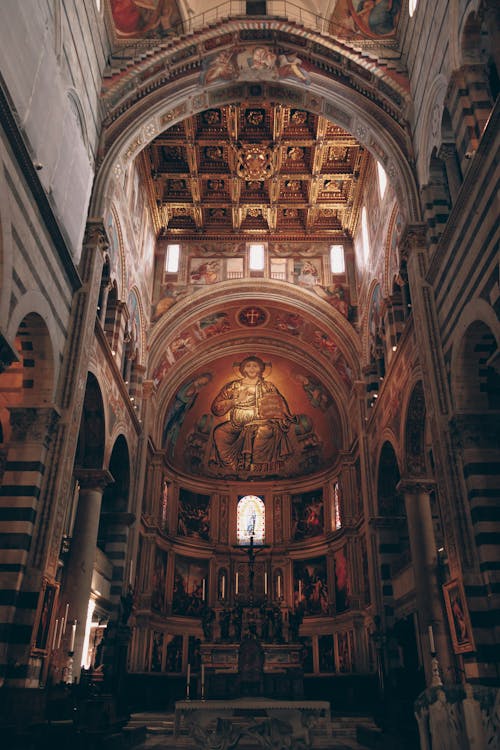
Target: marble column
[
  {"x": 78, "y": 577},
  {"x": 425, "y": 566}
]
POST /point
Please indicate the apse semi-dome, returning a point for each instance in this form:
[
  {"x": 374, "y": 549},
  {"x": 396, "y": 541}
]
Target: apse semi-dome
[{"x": 252, "y": 415}]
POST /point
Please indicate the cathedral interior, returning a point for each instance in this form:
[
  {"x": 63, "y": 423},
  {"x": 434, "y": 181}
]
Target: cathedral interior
[{"x": 249, "y": 369}]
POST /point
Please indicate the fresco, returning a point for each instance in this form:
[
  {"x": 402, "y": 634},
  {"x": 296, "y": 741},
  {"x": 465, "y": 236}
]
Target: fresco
[
  {"x": 252, "y": 418},
  {"x": 190, "y": 577},
  {"x": 307, "y": 515},
  {"x": 310, "y": 586},
  {"x": 375, "y": 19},
  {"x": 144, "y": 19},
  {"x": 254, "y": 63}
]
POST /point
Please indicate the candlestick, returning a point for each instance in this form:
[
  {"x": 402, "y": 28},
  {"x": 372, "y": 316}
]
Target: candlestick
[
  {"x": 223, "y": 587},
  {"x": 73, "y": 635},
  {"x": 431, "y": 640},
  {"x": 237, "y": 583},
  {"x": 203, "y": 590},
  {"x": 55, "y": 634},
  {"x": 65, "y": 619},
  {"x": 279, "y": 587},
  {"x": 265, "y": 583},
  {"x": 188, "y": 680}
]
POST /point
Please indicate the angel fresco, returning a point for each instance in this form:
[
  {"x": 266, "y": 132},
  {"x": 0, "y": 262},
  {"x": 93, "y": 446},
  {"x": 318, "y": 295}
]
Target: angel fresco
[
  {"x": 259, "y": 62},
  {"x": 144, "y": 18},
  {"x": 254, "y": 436}
]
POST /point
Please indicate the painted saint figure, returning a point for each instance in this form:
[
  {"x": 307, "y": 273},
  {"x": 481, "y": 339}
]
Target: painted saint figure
[{"x": 254, "y": 437}]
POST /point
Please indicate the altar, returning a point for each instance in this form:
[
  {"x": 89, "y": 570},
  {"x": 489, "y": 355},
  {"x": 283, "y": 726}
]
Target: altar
[
  {"x": 281, "y": 677},
  {"x": 262, "y": 722}
]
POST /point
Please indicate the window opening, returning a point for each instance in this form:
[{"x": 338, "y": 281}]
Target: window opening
[
  {"x": 172, "y": 258},
  {"x": 250, "y": 520},
  {"x": 257, "y": 256},
  {"x": 337, "y": 260}
]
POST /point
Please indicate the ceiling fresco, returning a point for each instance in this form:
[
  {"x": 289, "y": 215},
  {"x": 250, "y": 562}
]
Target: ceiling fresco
[
  {"x": 145, "y": 19},
  {"x": 252, "y": 416}
]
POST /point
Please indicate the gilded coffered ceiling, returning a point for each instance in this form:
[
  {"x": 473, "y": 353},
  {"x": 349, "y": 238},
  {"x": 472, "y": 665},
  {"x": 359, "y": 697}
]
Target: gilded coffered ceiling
[{"x": 252, "y": 169}]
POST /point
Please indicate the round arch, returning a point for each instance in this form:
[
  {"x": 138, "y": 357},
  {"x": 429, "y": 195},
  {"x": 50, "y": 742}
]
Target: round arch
[{"x": 136, "y": 115}]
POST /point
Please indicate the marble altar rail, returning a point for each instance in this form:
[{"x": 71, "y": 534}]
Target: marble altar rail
[{"x": 267, "y": 723}]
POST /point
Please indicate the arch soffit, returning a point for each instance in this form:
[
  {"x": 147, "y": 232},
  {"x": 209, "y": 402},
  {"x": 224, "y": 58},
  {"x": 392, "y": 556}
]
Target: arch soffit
[
  {"x": 35, "y": 303},
  {"x": 365, "y": 322},
  {"x": 387, "y": 437},
  {"x": 207, "y": 301},
  {"x": 471, "y": 8},
  {"x": 93, "y": 370},
  {"x": 132, "y": 125},
  {"x": 429, "y": 129},
  {"x": 406, "y": 403},
  {"x": 477, "y": 311},
  {"x": 6, "y": 257},
  {"x": 119, "y": 431}
]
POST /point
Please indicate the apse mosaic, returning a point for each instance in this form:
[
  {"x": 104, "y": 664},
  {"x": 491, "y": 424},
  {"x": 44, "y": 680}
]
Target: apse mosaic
[{"x": 253, "y": 417}]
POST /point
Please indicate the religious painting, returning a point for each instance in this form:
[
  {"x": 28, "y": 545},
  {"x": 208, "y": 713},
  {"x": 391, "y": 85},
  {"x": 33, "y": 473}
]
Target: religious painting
[
  {"x": 42, "y": 629},
  {"x": 145, "y": 19},
  {"x": 310, "y": 586},
  {"x": 341, "y": 581},
  {"x": 157, "y": 652},
  {"x": 214, "y": 324},
  {"x": 326, "y": 653},
  {"x": 203, "y": 271},
  {"x": 343, "y": 652},
  {"x": 374, "y": 19},
  {"x": 337, "y": 295},
  {"x": 174, "y": 653},
  {"x": 158, "y": 581},
  {"x": 458, "y": 617},
  {"x": 307, "y": 515},
  {"x": 254, "y": 63},
  {"x": 307, "y": 272},
  {"x": 190, "y": 582},
  {"x": 193, "y": 517},
  {"x": 307, "y": 654}
]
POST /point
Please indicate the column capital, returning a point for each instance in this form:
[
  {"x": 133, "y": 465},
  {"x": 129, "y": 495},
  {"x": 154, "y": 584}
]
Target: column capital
[
  {"x": 93, "y": 479},
  {"x": 414, "y": 236},
  {"x": 147, "y": 389},
  {"x": 32, "y": 423},
  {"x": 95, "y": 234},
  {"x": 416, "y": 485}
]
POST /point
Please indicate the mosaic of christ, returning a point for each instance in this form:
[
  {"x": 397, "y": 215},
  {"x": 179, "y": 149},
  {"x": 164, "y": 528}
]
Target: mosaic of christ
[{"x": 252, "y": 418}]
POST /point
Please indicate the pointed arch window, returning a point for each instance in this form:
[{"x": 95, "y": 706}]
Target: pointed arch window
[{"x": 251, "y": 521}]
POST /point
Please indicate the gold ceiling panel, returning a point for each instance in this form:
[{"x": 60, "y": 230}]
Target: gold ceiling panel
[{"x": 245, "y": 169}]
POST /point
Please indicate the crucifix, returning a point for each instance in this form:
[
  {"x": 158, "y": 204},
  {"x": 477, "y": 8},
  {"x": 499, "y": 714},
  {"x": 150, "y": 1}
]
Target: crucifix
[{"x": 252, "y": 553}]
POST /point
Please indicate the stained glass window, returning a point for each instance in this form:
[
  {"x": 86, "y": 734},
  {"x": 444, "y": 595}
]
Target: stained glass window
[{"x": 251, "y": 520}]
